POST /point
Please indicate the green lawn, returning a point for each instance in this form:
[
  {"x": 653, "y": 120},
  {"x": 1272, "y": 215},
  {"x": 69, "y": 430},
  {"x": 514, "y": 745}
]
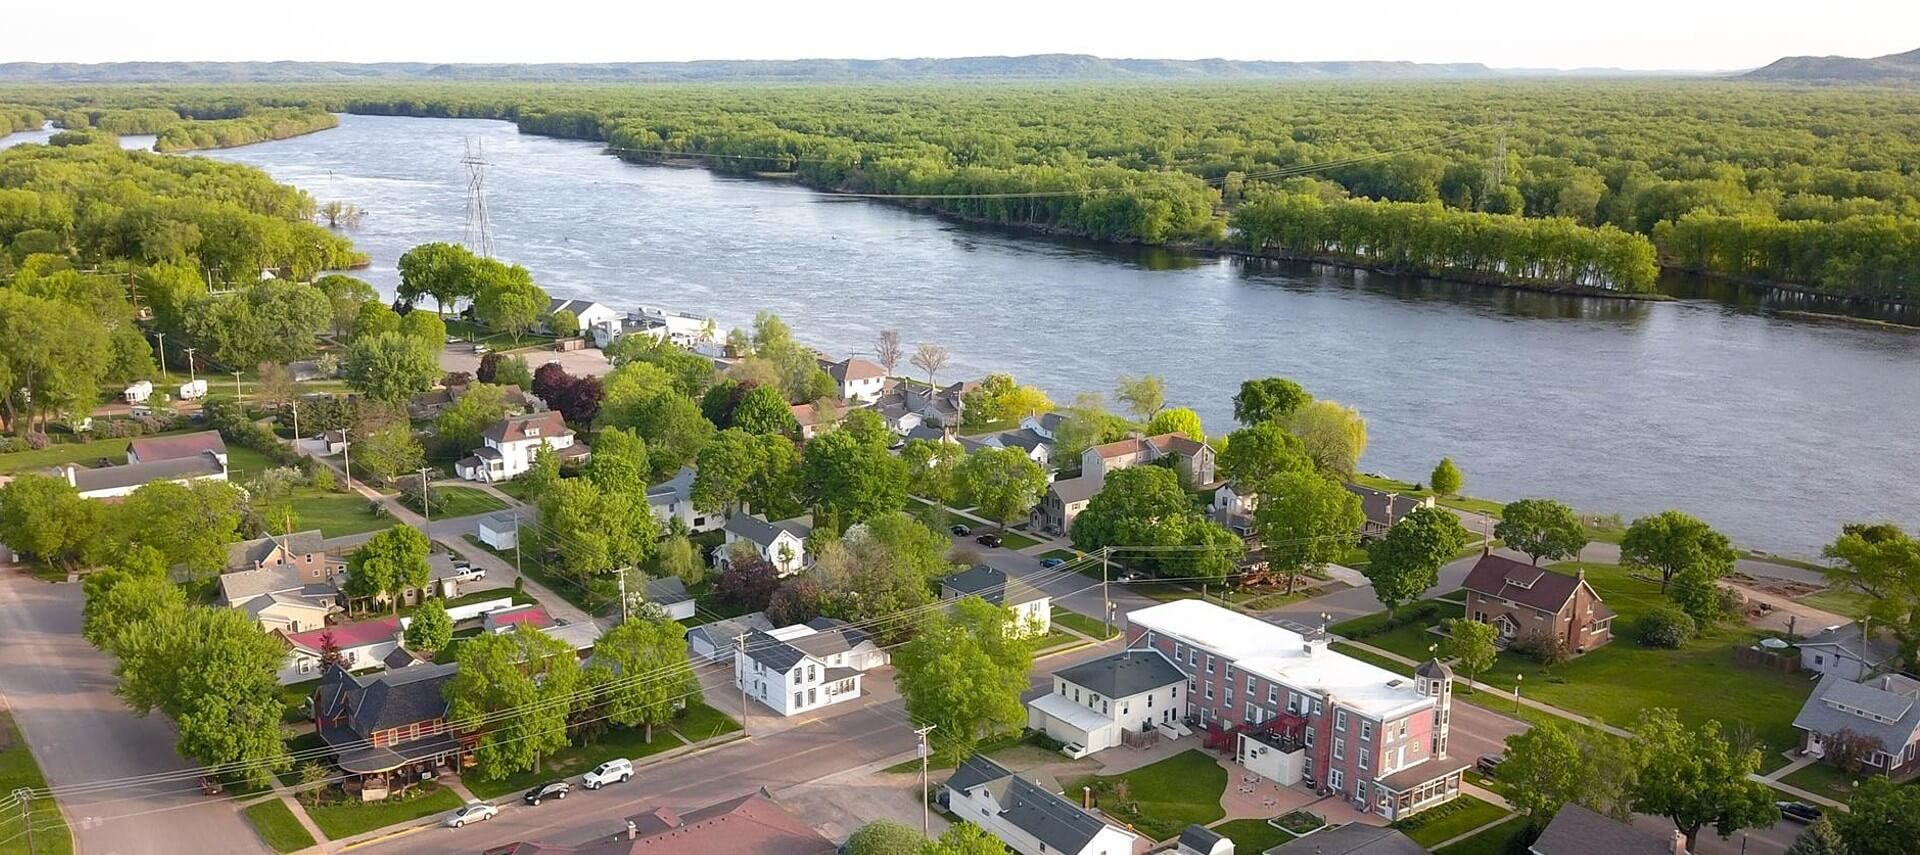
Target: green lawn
[
  {"x": 575, "y": 759},
  {"x": 336, "y": 514},
  {"x": 277, "y": 827},
  {"x": 1082, "y": 624},
  {"x": 1410, "y": 639},
  {"x": 1165, "y": 797},
  {"x": 518, "y": 488},
  {"x": 1015, "y": 540},
  {"x": 1252, "y": 836},
  {"x": 1498, "y": 840},
  {"x": 1699, "y": 680},
  {"x": 338, "y": 821},
  {"x": 986, "y": 746},
  {"x": 535, "y": 567},
  {"x": 699, "y": 722},
  {"x": 18, "y": 769},
  {"x": 244, "y": 463},
  {"x": 1823, "y": 779},
  {"x": 84, "y": 453},
  {"x": 1439, "y": 824},
  {"x": 465, "y": 502},
  {"x": 452, "y": 650},
  {"x": 1840, "y": 601},
  {"x": 1055, "y": 638},
  {"x": 1465, "y": 503}
]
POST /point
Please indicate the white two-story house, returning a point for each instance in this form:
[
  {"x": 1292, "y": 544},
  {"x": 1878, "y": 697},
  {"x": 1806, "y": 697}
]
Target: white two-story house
[
  {"x": 1031, "y": 607},
  {"x": 795, "y": 669},
  {"x": 1028, "y": 815},
  {"x": 1108, "y": 701},
  {"x": 783, "y": 544},
  {"x": 673, "y": 499},
  {"x": 510, "y": 444},
  {"x": 857, "y": 379}
]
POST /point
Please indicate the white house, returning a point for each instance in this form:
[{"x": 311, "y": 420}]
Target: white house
[
  {"x": 112, "y": 482},
  {"x": 857, "y": 379},
  {"x": 590, "y": 313},
  {"x": 510, "y": 444},
  {"x": 804, "y": 667},
  {"x": 677, "y": 327},
  {"x": 670, "y": 594},
  {"x": 718, "y": 641},
  {"x": 500, "y": 531},
  {"x": 1032, "y": 608},
  {"x": 1028, "y": 815},
  {"x": 783, "y": 544},
  {"x": 673, "y": 499},
  {"x": 1044, "y": 425},
  {"x": 1844, "y": 651},
  {"x": 153, "y": 449},
  {"x": 1100, "y": 702},
  {"x": 365, "y": 644}
]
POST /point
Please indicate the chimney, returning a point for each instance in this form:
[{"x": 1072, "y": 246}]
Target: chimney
[
  {"x": 632, "y": 830},
  {"x": 1679, "y": 843}
]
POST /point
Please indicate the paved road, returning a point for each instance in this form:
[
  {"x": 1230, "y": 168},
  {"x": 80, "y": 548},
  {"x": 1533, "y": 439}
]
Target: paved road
[
  {"x": 878, "y": 729},
  {"x": 60, "y": 689}
]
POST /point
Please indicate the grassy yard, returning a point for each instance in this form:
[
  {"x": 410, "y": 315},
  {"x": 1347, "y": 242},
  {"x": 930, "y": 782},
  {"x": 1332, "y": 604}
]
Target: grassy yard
[
  {"x": 534, "y": 566},
  {"x": 1082, "y": 624},
  {"x": 244, "y": 463},
  {"x": 575, "y": 759},
  {"x": 986, "y": 746},
  {"x": 1824, "y": 780},
  {"x": 277, "y": 827},
  {"x": 1450, "y": 820},
  {"x": 465, "y": 502},
  {"x": 18, "y": 769},
  {"x": 336, "y": 514},
  {"x": 1056, "y": 638},
  {"x": 1699, "y": 680},
  {"x": 1411, "y": 639},
  {"x": 699, "y": 722},
  {"x": 84, "y": 453},
  {"x": 519, "y": 488},
  {"x": 1014, "y": 540},
  {"x": 1252, "y": 836},
  {"x": 339, "y": 821},
  {"x": 1840, "y": 601},
  {"x": 1465, "y": 503},
  {"x": 1165, "y": 797},
  {"x": 1498, "y": 840}
]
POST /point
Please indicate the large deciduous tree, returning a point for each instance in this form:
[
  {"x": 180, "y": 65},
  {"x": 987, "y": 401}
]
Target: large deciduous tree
[
  {"x": 1144, "y": 396},
  {"x": 1883, "y": 562},
  {"x": 211, "y": 671},
  {"x": 641, "y": 672},
  {"x": 1671, "y": 542},
  {"x": 597, "y": 531},
  {"x": 460, "y": 425},
  {"x": 1446, "y": 479},
  {"x": 1257, "y": 454},
  {"x": 1306, "y": 520},
  {"x": 1882, "y": 819},
  {"x": 1270, "y": 399},
  {"x": 848, "y": 478},
  {"x": 1694, "y": 777},
  {"x": 390, "y": 561},
  {"x": 965, "y": 674},
  {"x": 443, "y": 271},
  {"x": 1333, "y": 434},
  {"x": 1473, "y": 645},
  {"x": 44, "y": 516},
  {"x": 189, "y": 524},
  {"x": 1407, "y": 562},
  {"x": 1179, "y": 420},
  {"x": 1541, "y": 528},
  {"x": 431, "y": 629},
  {"x": 931, "y": 466},
  {"x": 135, "y": 588},
  {"x": 762, "y": 410},
  {"x": 931, "y": 358},
  {"x": 391, "y": 367},
  {"x": 1004, "y": 483},
  {"x": 526, "y": 672}
]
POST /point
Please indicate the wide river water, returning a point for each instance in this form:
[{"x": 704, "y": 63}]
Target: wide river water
[{"x": 1774, "y": 427}]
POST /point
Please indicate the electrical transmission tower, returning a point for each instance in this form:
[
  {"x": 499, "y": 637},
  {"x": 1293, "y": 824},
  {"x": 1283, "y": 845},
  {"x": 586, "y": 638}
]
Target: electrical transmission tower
[
  {"x": 1496, "y": 169},
  {"x": 479, "y": 230}
]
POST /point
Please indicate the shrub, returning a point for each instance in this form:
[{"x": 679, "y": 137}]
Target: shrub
[
  {"x": 37, "y": 440},
  {"x": 1666, "y": 626},
  {"x": 1548, "y": 649},
  {"x": 1040, "y": 739},
  {"x": 1419, "y": 613}
]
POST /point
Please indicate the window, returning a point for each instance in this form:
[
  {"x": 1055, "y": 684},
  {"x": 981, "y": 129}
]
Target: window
[
  {"x": 1316, "y": 706},
  {"x": 1176, "y": 692},
  {"x": 1339, "y": 719},
  {"x": 812, "y": 696},
  {"x": 1366, "y": 730},
  {"x": 1105, "y": 708},
  {"x": 1360, "y": 792},
  {"x": 1336, "y": 778},
  {"x": 1250, "y": 682},
  {"x": 1076, "y": 694},
  {"x": 1403, "y": 728},
  {"x": 1307, "y": 737},
  {"x": 1228, "y": 674},
  {"x": 1151, "y": 638},
  {"x": 1253, "y": 714},
  {"x": 812, "y": 673},
  {"x": 1209, "y": 663},
  {"x": 1228, "y": 695},
  {"x": 1193, "y": 657},
  {"x": 1179, "y": 650},
  {"x": 1306, "y": 763},
  {"x": 306, "y": 666},
  {"x": 1364, "y": 755},
  {"x": 1209, "y": 691},
  {"x": 1339, "y": 749},
  {"x": 1149, "y": 700},
  {"x": 1123, "y": 709},
  {"x": 1273, "y": 694},
  {"x": 796, "y": 699}
]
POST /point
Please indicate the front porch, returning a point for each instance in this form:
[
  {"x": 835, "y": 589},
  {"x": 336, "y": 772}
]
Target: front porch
[{"x": 1418, "y": 787}]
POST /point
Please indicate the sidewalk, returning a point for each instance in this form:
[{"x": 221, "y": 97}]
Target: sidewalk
[{"x": 1525, "y": 701}]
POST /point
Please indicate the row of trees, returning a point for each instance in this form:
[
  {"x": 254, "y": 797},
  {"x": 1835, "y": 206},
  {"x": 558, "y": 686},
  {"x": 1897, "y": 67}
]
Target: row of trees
[
  {"x": 183, "y": 525},
  {"x": 257, "y": 126},
  {"x": 1863, "y": 256}
]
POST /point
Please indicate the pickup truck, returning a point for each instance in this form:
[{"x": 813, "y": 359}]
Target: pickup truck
[{"x": 469, "y": 573}]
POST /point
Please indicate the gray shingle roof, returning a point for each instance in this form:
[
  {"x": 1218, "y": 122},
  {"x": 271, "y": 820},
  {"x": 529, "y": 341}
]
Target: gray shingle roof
[
  {"x": 977, "y": 770},
  {"x": 773, "y": 653},
  {"x": 1077, "y": 489},
  {"x": 1893, "y": 699},
  {"x": 1199, "y": 838},
  {"x": 679, "y": 488},
  {"x": 665, "y": 591},
  {"x": 1875, "y": 651},
  {"x": 1576, "y": 830},
  {"x": 201, "y": 465},
  {"x": 1124, "y": 674},
  {"x": 991, "y": 584},
  {"x": 152, "y": 448},
  {"x": 854, "y": 635},
  {"x": 756, "y": 528},
  {"x": 1047, "y": 816},
  {"x": 237, "y": 588},
  {"x": 245, "y": 554},
  {"x": 721, "y": 633},
  {"x": 1024, "y": 439}
]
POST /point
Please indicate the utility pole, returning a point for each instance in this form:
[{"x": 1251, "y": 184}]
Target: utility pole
[
  {"x": 295, "y": 405},
  {"x": 26, "y": 815},
  {"x": 740, "y": 676},
  {"x": 346, "y": 453},
  {"x": 162, "y": 347},
  {"x": 238, "y": 394},
  {"x": 190, "y": 375},
  {"x": 516, "y": 543},
  {"x": 926, "y": 822},
  {"x": 624, "y": 616},
  {"x": 426, "y": 502},
  {"x": 1106, "y": 605}
]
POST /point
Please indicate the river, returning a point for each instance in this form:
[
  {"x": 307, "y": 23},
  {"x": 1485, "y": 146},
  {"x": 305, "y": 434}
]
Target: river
[
  {"x": 140, "y": 142},
  {"x": 1775, "y": 428}
]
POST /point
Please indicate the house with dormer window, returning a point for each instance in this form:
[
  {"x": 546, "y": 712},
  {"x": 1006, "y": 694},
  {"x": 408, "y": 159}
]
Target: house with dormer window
[
  {"x": 1521, "y": 600},
  {"x": 1880, "y": 715},
  {"x": 510, "y": 445}
]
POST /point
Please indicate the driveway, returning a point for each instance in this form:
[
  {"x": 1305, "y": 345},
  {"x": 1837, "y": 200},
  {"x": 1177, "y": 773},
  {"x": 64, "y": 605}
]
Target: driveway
[{"x": 61, "y": 692}]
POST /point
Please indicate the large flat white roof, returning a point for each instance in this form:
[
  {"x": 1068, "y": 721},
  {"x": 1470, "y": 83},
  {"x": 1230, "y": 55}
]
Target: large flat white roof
[{"x": 1282, "y": 655}]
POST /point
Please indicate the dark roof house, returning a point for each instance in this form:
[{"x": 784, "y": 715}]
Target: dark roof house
[
  {"x": 1576, "y": 830},
  {"x": 1354, "y": 838},
  {"x": 1124, "y": 674},
  {"x": 148, "y": 449},
  {"x": 991, "y": 584},
  {"x": 1521, "y": 599}
]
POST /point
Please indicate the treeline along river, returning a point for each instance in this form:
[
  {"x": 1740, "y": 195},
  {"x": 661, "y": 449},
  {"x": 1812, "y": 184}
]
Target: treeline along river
[{"x": 1773, "y": 426}]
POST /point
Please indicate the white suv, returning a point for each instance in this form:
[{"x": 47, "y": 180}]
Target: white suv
[{"x": 607, "y": 773}]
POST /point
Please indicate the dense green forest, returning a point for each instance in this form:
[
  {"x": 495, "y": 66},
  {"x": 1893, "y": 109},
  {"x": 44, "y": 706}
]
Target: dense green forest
[
  {"x": 185, "y": 127},
  {"x": 1752, "y": 181}
]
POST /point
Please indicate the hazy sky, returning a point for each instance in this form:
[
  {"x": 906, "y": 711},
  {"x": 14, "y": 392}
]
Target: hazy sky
[{"x": 1662, "y": 34}]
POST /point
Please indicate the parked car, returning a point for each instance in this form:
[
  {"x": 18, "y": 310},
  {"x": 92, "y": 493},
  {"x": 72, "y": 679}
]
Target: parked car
[
  {"x": 1074, "y": 750},
  {"x": 480, "y": 348},
  {"x": 992, "y": 540},
  {"x": 1050, "y": 563},
  {"x": 961, "y": 530},
  {"x": 471, "y": 812},
  {"x": 1489, "y": 764},
  {"x": 468, "y": 573},
  {"x": 1130, "y": 576},
  {"x": 620, "y": 770},
  {"x": 1799, "y": 812},
  {"x": 548, "y": 790}
]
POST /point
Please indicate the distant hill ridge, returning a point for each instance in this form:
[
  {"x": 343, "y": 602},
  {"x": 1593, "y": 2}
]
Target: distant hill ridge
[
  {"x": 1892, "y": 68},
  {"x": 1035, "y": 67}
]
